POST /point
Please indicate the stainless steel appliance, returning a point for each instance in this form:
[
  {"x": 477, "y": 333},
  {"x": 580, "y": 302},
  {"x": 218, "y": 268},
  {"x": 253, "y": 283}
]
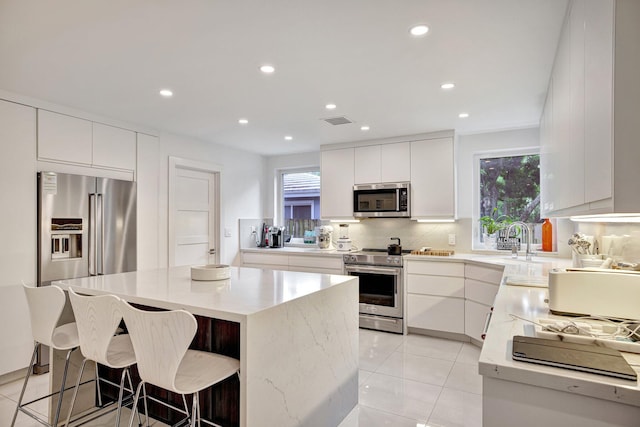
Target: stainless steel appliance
[
  {"x": 390, "y": 200},
  {"x": 86, "y": 226},
  {"x": 381, "y": 288}
]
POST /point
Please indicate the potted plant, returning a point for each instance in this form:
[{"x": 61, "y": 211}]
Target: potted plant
[{"x": 491, "y": 224}]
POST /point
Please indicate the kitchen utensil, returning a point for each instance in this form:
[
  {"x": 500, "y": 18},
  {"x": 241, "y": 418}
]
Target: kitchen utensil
[{"x": 393, "y": 248}]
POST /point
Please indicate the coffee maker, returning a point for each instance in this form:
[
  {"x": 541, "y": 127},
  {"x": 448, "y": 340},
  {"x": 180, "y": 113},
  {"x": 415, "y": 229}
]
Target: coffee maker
[{"x": 276, "y": 237}]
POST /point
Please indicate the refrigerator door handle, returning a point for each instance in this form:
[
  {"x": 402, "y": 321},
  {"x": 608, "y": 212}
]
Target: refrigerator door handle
[
  {"x": 92, "y": 235},
  {"x": 100, "y": 234}
]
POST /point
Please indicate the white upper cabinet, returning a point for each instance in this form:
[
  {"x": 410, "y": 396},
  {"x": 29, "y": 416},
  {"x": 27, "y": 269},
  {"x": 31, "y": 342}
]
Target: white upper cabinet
[
  {"x": 64, "y": 138},
  {"x": 598, "y": 97},
  {"x": 433, "y": 179},
  {"x": 336, "y": 183},
  {"x": 382, "y": 163},
  {"x": 588, "y": 127},
  {"x": 68, "y": 139},
  {"x": 113, "y": 147}
]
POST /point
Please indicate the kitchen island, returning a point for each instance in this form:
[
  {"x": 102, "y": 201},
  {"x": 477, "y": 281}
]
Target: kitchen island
[{"x": 298, "y": 334}]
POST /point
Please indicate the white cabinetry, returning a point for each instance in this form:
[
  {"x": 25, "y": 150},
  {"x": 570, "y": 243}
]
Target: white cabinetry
[
  {"x": 315, "y": 264},
  {"x": 480, "y": 287},
  {"x": 433, "y": 179},
  {"x": 382, "y": 163},
  {"x": 18, "y": 215},
  {"x": 435, "y": 296},
  {"x": 113, "y": 147},
  {"x": 283, "y": 261},
  {"x": 275, "y": 261},
  {"x": 68, "y": 139},
  {"x": 64, "y": 138},
  {"x": 148, "y": 193},
  {"x": 588, "y": 126},
  {"x": 336, "y": 183}
]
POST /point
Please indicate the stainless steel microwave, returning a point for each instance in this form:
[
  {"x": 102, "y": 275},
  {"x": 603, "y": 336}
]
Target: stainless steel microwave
[{"x": 388, "y": 200}]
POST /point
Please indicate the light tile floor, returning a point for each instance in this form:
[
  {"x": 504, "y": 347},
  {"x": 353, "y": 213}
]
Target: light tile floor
[{"x": 412, "y": 381}]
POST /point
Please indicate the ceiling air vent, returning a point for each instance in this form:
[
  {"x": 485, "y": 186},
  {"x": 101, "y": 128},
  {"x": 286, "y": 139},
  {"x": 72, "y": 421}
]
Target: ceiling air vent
[{"x": 338, "y": 121}]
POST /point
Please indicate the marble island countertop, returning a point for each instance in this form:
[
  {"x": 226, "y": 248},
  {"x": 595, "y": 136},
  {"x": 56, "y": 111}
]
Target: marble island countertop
[{"x": 247, "y": 292}]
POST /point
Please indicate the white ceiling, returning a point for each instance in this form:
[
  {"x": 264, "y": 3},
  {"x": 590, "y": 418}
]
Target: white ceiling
[{"x": 111, "y": 58}]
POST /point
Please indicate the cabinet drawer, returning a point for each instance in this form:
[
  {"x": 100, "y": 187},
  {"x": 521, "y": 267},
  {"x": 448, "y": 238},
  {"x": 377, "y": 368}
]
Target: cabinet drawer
[
  {"x": 436, "y": 313},
  {"x": 435, "y": 285},
  {"x": 484, "y": 274},
  {"x": 436, "y": 268},
  {"x": 315, "y": 262},
  {"x": 266, "y": 259},
  {"x": 475, "y": 316},
  {"x": 481, "y": 292}
]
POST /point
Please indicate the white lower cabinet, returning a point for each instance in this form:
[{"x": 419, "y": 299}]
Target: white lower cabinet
[
  {"x": 302, "y": 263},
  {"x": 451, "y": 296},
  {"x": 273, "y": 261},
  {"x": 315, "y": 264},
  {"x": 436, "y": 313},
  {"x": 435, "y": 295},
  {"x": 480, "y": 287}
]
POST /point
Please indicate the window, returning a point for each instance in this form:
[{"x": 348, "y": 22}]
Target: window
[
  {"x": 300, "y": 194},
  {"x": 508, "y": 191}
]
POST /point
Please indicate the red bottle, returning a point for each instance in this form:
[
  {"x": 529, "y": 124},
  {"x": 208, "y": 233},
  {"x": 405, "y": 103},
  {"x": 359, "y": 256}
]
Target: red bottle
[{"x": 547, "y": 236}]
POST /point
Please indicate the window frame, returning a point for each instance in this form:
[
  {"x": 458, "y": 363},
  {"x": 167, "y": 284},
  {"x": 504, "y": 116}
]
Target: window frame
[
  {"x": 476, "y": 245},
  {"x": 279, "y": 190}
]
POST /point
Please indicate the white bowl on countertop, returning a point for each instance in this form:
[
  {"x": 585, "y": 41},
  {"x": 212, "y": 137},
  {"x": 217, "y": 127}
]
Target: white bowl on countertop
[{"x": 210, "y": 272}]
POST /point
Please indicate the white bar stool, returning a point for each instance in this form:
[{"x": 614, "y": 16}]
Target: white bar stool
[
  {"x": 97, "y": 319},
  {"x": 161, "y": 341},
  {"x": 45, "y": 307}
]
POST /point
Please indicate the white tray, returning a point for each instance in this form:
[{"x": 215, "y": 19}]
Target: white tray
[{"x": 210, "y": 272}]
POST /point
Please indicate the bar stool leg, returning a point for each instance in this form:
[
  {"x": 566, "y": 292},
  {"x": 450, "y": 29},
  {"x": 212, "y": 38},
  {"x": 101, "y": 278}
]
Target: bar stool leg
[
  {"x": 64, "y": 381},
  {"x": 75, "y": 392},
  {"x": 24, "y": 386}
]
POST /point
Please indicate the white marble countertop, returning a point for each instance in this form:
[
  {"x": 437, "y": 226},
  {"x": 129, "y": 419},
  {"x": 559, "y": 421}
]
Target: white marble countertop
[
  {"x": 530, "y": 303},
  {"x": 248, "y": 291}
]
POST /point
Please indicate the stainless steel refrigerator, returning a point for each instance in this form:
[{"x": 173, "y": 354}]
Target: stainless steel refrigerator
[{"x": 86, "y": 227}]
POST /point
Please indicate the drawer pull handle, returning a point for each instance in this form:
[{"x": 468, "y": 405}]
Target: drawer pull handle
[{"x": 487, "y": 320}]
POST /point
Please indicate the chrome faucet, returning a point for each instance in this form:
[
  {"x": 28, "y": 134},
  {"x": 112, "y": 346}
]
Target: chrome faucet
[{"x": 525, "y": 230}]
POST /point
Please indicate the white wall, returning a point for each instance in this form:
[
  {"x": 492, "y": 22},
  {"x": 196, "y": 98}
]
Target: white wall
[{"x": 242, "y": 186}]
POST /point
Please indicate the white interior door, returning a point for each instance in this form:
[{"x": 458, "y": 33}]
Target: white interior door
[{"x": 194, "y": 217}]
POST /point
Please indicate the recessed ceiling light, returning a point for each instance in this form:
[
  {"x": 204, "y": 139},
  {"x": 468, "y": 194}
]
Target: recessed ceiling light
[
  {"x": 288, "y": 138},
  {"x": 166, "y": 93},
  {"x": 243, "y": 121},
  {"x": 267, "y": 69},
  {"x": 447, "y": 86},
  {"x": 364, "y": 128},
  {"x": 463, "y": 115},
  {"x": 330, "y": 106},
  {"x": 419, "y": 30}
]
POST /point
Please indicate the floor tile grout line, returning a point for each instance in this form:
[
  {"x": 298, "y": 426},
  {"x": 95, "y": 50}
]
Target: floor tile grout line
[{"x": 391, "y": 413}]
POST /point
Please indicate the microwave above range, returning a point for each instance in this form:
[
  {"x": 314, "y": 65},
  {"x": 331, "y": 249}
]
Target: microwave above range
[{"x": 388, "y": 200}]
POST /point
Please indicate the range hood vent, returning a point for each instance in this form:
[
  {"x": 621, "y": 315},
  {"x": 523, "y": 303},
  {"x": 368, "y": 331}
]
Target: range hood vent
[{"x": 338, "y": 121}]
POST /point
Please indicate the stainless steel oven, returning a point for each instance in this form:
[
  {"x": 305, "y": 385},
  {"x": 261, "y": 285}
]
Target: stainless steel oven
[{"x": 381, "y": 289}]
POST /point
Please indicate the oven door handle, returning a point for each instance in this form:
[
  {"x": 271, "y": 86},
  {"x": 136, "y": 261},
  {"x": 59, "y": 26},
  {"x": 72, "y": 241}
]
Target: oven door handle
[{"x": 375, "y": 270}]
